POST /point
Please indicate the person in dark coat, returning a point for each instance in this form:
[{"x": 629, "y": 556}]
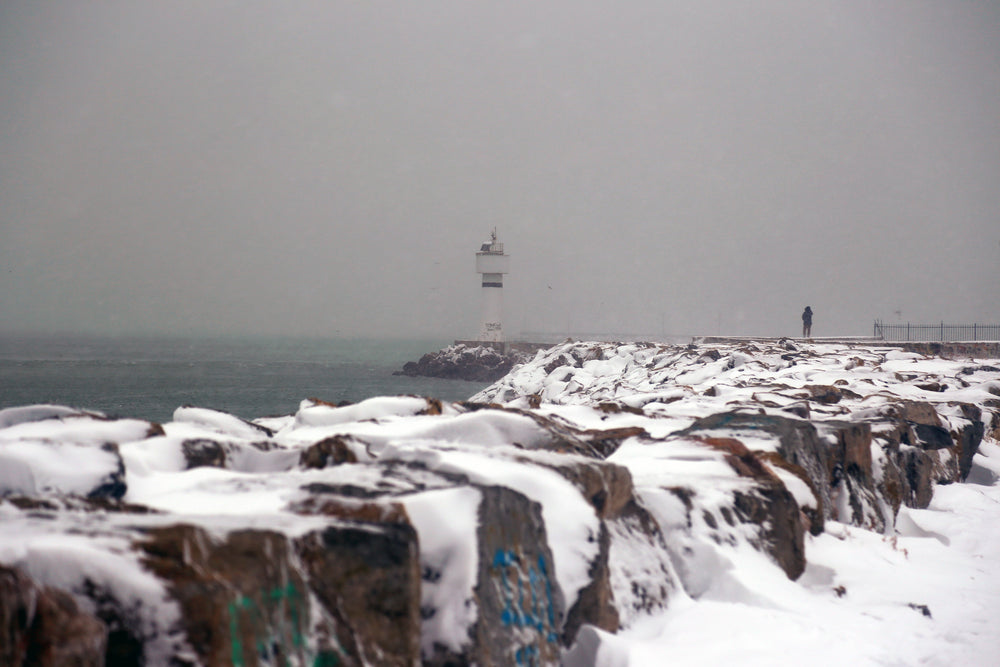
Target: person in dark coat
[{"x": 807, "y": 322}]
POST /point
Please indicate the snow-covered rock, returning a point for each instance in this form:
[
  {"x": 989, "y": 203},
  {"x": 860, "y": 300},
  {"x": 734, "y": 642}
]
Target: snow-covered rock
[
  {"x": 596, "y": 488},
  {"x": 49, "y": 451},
  {"x": 461, "y": 361}
]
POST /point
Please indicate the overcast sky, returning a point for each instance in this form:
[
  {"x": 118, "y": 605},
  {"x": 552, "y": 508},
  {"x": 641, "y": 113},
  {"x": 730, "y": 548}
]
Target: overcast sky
[{"x": 655, "y": 166}]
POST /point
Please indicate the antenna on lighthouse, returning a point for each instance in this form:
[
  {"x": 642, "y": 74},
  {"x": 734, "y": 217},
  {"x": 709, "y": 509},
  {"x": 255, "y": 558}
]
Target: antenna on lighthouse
[{"x": 492, "y": 264}]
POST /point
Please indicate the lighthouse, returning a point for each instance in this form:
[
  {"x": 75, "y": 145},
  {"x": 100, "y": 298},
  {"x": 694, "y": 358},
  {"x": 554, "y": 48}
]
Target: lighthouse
[{"x": 492, "y": 264}]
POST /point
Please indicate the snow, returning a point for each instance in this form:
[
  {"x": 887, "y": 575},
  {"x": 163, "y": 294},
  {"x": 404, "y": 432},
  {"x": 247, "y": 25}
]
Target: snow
[
  {"x": 31, "y": 467},
  {"x": 81, "y": 430},
  {"x": 30, "y": 413},
  {"x": 212, "y": 492},
  {"x": 446, "y": 521},
  {"x": 943, "y": 560},
  {"x": 862, "y": 597},
  {"x": 861, "y": 600},
  {"x": 219, "y": 422},
  {"x": 378, "y": 408},
  {"x": 159, "y": 454},
  {"x": 803, "y": 495}
]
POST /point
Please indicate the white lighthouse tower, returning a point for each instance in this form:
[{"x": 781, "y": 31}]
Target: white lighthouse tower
[{"x": 492, "y": 264}]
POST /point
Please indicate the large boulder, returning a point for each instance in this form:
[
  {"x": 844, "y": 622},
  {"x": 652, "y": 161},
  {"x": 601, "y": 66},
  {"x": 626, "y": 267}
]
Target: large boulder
[
  {"x": 917, "y": 451},
  {"x": 640, "y": 572},
  {"x": 766, "y": 505},
  {"x": 43, "y": 468},
  {"x": 833, "y": 457},
  {"x": 365, "y": 571},
  {"x": 794, "y": 440},
  {"x": 855, "y": 495},
  {"x": 521, "y": 609},
  {"x": 709, "y": 494},
  {"x": 242, "y": 601},
  {"x": 47, "y": 452}
]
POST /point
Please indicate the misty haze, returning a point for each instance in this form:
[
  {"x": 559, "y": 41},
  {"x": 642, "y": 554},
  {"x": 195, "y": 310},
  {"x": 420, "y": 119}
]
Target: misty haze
[
  {"x": 329, "y": 168},
  {"x": 548, "y": 333}
]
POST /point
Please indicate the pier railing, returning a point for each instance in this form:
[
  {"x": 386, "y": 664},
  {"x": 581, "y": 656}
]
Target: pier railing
[{"x": 936, "y": 332}]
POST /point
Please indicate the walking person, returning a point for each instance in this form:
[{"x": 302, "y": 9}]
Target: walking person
[{"x": 807, "y": 322}]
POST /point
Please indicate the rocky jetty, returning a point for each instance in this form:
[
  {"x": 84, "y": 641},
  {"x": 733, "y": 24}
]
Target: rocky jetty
[
  {"x": 461, "y": 361},
  {"x": 594, "y": 486}
]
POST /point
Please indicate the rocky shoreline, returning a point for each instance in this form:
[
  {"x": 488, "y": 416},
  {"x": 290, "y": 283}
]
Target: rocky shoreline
[
  {"x": 588, "y": 489},
  {"x": 461, "y": 361}
]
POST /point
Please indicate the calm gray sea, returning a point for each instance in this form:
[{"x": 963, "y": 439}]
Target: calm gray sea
[{"x": 149, "y": 378}]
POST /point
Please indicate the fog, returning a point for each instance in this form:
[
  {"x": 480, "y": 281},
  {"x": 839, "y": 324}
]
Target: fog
[{"x": 329, "y": 168}]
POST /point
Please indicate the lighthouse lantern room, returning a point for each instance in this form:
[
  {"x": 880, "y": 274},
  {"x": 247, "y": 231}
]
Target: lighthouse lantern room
[{"x": 492, "y": 263}]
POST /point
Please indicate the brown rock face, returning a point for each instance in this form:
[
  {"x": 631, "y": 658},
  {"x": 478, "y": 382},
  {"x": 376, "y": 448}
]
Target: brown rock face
[
  {"x": 920, "y": 452},
  {"x": 906, "y": 470},
  {"x": 850, "y": 470},
  {"x": 367, "y": 576},
  {"x": 44, "y": 627},
  {"x": 813, "y": 517},
  {"x": 245, "y": 600},
  {"x": 17, "y": 603},
  {"x": 769, "y": 505},
  {"x": 18, "y": 596},
  {"x": 326, "y": 452},
  {"x": 969, "y": 437},
  {"x": 606, "y": 486},
  {"x": 825, "y": 394},
  {"x": 62, "y": 634},
  {"x": 917, "y": 468},
  {"x": 854, "y": 448},
  {"x": 242, "y": 602},
  {"x": 773, "y": 508},
  {"x": 918, "y": 413},
  {"x": 200, "y": 452}
]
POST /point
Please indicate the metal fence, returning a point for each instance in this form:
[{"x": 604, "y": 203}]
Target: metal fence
[{"x": 936, "y": 332}]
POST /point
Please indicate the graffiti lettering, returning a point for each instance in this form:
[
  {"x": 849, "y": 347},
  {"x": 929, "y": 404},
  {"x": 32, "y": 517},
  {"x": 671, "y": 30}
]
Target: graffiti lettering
[
  {"x": 528, "y": 605},
  {"x": 279, "y": 613}
]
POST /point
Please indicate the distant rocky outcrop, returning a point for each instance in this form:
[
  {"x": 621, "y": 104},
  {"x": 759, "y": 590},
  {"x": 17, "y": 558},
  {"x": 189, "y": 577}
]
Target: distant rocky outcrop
[
  {"x": 473, "y": 363},
  {"x": 586, "y": 489}
]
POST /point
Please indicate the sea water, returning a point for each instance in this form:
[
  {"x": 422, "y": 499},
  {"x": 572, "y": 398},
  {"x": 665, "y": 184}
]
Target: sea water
[{"x": 150, "y": 377}]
